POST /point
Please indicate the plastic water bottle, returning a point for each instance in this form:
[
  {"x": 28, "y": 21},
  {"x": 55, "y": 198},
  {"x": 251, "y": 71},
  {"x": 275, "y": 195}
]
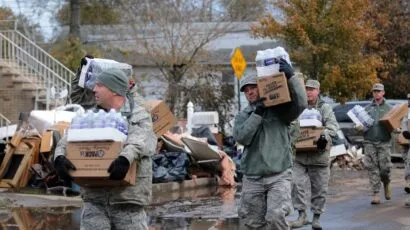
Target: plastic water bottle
[
  {"x": 100, "y": 117},
  {"x": 88, "y": 119},
  {"x": 122, "y": 124},
  {"x": 110, "y": 120},
  {"x": 75, "y": 123},
  {"x": 83, "y": 121}
]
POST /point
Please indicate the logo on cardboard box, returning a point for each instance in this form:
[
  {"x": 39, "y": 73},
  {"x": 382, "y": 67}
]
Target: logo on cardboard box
[
  {"x": 93, "y": 153},
  {"x": 304, "y": 135},
  {"x": 272, "y": 86}
]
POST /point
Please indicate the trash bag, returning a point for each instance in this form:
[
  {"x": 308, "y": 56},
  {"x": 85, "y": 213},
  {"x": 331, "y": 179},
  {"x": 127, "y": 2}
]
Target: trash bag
[
  {"x": 169, "y": 166},
  {"x": 204, "y": 131}
]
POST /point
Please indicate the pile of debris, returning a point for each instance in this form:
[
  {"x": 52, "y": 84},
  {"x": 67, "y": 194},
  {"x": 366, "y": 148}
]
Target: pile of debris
[{"x": 351, "y": 158}]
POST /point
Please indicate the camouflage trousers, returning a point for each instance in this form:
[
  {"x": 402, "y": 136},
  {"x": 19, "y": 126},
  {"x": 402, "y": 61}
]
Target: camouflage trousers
[
  {"x": 118, "y": 216},
  {"x": 266, "y": 201},
  {"x": 377, "y": 161},
  {"x": 319, "y": 180},
  {"x": 406, "y": 160}
]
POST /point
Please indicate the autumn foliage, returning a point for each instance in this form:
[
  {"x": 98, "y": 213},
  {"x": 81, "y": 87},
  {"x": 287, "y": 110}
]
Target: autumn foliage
[{"x": 326, "y": 39}]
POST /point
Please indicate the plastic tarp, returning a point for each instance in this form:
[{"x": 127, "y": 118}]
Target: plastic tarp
[{"x": 169, "y": 166}]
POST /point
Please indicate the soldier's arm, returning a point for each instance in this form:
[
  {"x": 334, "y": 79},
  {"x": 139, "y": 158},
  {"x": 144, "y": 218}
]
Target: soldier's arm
[
  {"x": 61, "y": 147},
  {"x": 290, "y": 111},
  {"x": 245, "y": 127},
  {"x": 330, "y": 122},
  {"x": 141, "y": 140}
]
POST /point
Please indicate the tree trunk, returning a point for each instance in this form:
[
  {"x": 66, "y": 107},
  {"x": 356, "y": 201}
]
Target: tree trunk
[{"x": 75, "y": 19}]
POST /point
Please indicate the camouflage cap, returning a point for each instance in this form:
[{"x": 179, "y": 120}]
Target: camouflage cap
[
  {"x": 312, "y": 84},
  {"x": 378, "y": 87},
  {"x": 247, "y": 80}
]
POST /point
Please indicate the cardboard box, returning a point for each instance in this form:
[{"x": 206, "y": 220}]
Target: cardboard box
[
  {"x": 307, "y": 139},
  {"x": 274, "y": 89},
  {"x": 92, "y": 160},
  {"x": 392, "y": 119},
  {"x": 46, "y": 142},
  {"x": 162, "y": 117},
  {"x": 61, "y": 127},
  {"x": 95, "y": 134}
]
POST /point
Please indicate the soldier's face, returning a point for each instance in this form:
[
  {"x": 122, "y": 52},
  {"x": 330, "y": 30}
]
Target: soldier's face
[
  {"x": 378, "y": 94},
  {"x": 312, "y": 94},
  {"x": 103, "y": 95},
  {"x": 251, "y": 93}
]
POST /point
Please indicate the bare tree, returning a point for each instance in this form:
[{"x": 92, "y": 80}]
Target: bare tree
[
  {"x": 75, "y": 19},
  {"x": 171, "y": 38}
]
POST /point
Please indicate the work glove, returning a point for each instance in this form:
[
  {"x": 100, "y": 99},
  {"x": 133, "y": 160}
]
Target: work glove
[
  {"x": 321, "y": 142},
  {"x": 259, "y": 106},
  {"x": 406, "y": 134},
  {"x": 359, "y": 127},
  {"x": 84, "y": 61},
  {"x": 119, "y": 168},
  {"x": 285, "y": 68},
  {"x": 62, "y": 165}
]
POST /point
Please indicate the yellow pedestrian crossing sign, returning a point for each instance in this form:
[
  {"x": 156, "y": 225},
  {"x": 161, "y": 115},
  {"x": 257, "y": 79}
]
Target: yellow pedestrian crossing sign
[{"x": 238, "y": 63}]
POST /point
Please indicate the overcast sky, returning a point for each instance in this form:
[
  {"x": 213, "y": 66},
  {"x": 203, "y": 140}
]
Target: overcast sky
[{"x": 38, "y": 11}]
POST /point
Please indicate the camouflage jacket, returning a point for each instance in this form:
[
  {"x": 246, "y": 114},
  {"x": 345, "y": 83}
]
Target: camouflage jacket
[
  {"x": 81, "y": 96},
  {"x": 139, "y": 146},
  {"x": 294, "y": 129},
  {"x": 266, "y": 138},
  {"x": 321, "y": 158},
  {"x": 378, "y": 131}
]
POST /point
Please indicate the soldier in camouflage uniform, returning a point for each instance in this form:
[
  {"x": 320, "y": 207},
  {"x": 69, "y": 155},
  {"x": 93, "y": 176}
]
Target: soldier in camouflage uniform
[
  {"x": 406, "y": 153},
  {"x": 118, "y": 207},
  {"x": 267, "y": 159},
  {"x": 314, "y": 166},
  {"x": 377, "y": 139}
]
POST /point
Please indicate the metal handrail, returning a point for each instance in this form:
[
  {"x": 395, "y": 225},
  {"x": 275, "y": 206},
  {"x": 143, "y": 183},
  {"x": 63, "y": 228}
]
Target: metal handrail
[
  {"x": 4, "y": 122},
  {"x": 34, "y": 63}
]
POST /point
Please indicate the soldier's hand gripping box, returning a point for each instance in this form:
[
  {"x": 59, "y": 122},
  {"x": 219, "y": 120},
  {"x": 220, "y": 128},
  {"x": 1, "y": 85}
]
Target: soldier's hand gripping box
[
  {"x": 274, "y": 88},
  {"x": 307, "y": 139},
  {"x": 92, "y": 160}
]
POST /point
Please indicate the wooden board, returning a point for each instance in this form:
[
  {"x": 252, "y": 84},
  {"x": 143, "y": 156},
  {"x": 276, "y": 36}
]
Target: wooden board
[{"x": 20, "y": 177}]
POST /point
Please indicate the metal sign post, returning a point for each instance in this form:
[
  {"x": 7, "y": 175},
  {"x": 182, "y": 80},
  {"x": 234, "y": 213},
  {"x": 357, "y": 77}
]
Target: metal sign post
[{"x": 238, "y": 63}]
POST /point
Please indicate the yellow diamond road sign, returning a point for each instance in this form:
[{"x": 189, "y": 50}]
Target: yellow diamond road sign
[{"x": 238, "y": 63}]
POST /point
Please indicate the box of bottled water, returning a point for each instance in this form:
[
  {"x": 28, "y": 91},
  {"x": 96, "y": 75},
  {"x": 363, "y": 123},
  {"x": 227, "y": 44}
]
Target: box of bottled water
[
  {"x": 94, "y": 67},
  {"x": 272, "y": 84},
  {"x": 98, "y": 126},
  {"x": 359, "y": 116},
  {"x": 310, "y": 118}
]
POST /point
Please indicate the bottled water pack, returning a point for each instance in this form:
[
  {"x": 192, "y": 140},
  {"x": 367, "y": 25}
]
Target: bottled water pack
[
  {"x": 362, "y": 116},
  {"x": 100, "y": 119},
  {"x": 311, "y": 114},
  {"x": 96, "y": 66},
  {"x": 267, "y": 61}
]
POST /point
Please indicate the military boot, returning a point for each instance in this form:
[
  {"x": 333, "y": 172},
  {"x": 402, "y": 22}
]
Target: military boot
[
  {"x": 387, "y": 191},
  {"x": 407, "y": 187},
  {"x": 315, "y": 222},
  {"x": 302, "y": 220},
  {"x": 376, "y": 198}
]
